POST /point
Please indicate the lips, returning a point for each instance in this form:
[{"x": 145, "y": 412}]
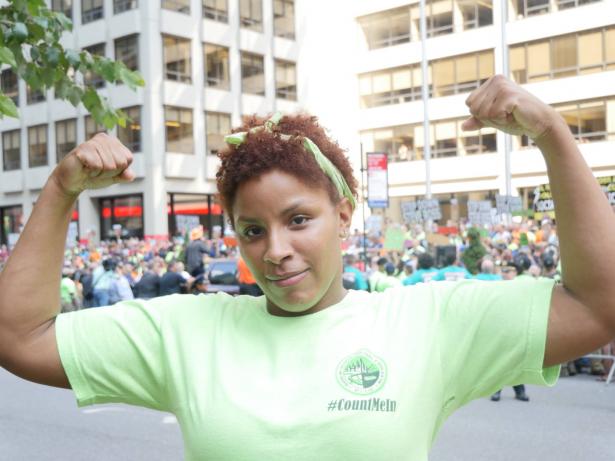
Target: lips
[{"x": 288, "y": 279}]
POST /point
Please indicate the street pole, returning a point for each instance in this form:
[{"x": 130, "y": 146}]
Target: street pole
[
  {"x": 506, "y": 72},
  {"x": 425, "y": 96},
  {"x": 364, "y": 237}
]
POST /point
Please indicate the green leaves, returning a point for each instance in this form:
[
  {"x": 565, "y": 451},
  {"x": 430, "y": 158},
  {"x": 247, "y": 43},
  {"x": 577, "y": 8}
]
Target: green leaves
[
  {"x": 7, "y": 56},
  {"x": 30, "y": 43},
  {"x": 19, "y": 31},
  {"x": 7, "y": 107}
]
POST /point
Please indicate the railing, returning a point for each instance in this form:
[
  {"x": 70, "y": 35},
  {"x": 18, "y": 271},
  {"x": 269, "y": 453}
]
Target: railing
[
  {"x": 287, "y": 93},
  {"x": 215, "y": 14},
  {"x": 390, "y": 41},
  {"x": 216, "y": 82},
  {"x": 178, "y": 76}
]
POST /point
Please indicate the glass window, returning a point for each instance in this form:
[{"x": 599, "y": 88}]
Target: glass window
[
  {"x": 564, "y": 55},
  {"x": 252, "y": 73},
  {"x": 609, "y": 41},
  {"x": 284, "y": 18},
  {"x": 251, "y": 14},
  {"x": 535, "y": 7},
  {"x": 217, "y": 125},
  {"x": 63, "y": 6},
  {"x": 127, "y": 51},
  {"x": 11, "y": 157},
  {"x": 10, "y": 85},
  {"x": 91, "y": 10},
  {"x": 181, "y": 6},
  {"x": 34, "y": 96},
  {"x": 285, "y": 80},
  {"x": 121, "y": 217},
  {"x": 130, "y": 135},
  {"x": 592, "y": 121},
  {"x": 216, "y": 66},
  {"x": 445, "y": 139},
  {"x": 443, "y": 77},
  {"x": 177, "y": 62},
  {"x": 387, "y": 28},
  {"x": 479, "y": 142},
  {"x": 475, "y": 13},
  {"x": 37, "y": 146},
  {"x": 89, "y": 78},
  {"x": 188, "y": 211},
  {"x": 439, "y": 17},
  {"x": 538, "y": 61},
  {"x": 178, "y": 123},
  {"x": 92, "y": 128},
  {"x": 393, "y": 86},
  {"x": 565, "y": 4},
  {"x": 466, "y": 73},
  {"x": 486, "y": 67},
  {"x": 590, "y": 51},
  {"x": 588, "y": 120},
  {"x": 518, "y": 68},
  {"x": 119, "y": 6},
  {"x": 216, "y": 10},
  {"x": 66, "y": 137}
]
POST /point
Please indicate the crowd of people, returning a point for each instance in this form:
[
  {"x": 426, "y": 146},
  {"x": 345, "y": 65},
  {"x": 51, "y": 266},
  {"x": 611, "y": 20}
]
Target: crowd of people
[
  {"x": 119, "y": 270},
  {"x": 525, "y": 248}
]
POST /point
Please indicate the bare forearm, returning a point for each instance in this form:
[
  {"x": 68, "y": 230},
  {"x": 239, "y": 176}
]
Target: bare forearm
[
  {"x": 30, "y": 282},
  {"x": 585, "y": 223}
]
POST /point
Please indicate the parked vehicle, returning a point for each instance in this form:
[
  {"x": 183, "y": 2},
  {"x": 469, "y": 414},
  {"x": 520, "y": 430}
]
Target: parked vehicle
[{"x": 222, "y": 276}]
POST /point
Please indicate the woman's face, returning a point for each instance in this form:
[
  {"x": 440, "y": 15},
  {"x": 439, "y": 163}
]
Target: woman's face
[{"x": 290, "y": 237}]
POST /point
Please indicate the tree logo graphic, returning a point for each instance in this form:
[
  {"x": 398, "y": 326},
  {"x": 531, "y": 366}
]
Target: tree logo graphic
[{"x": 361, "y": 373}]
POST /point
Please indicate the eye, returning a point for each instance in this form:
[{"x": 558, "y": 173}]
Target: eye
[
  {"x": 299, "y": 220},
  {"x": 252, "y": 232}
]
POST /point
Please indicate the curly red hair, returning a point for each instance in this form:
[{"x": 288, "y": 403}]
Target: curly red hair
[{"x": 264, "y": 150}]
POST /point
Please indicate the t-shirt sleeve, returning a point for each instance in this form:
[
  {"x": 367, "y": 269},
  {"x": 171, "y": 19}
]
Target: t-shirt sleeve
[
  {"x": 116, "y": 353},
  {"x": 493, "y": 334}
]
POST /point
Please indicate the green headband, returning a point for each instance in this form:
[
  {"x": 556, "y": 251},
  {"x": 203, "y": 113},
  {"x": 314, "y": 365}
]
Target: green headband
[{"x": 324, "y": 163}]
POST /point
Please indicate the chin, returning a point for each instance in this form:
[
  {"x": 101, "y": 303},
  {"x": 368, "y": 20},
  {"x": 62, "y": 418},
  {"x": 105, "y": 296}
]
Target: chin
[{"x": 295, "y": 303}]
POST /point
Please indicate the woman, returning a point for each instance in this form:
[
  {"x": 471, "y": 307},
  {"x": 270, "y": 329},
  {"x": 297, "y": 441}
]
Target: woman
[{"x": 310, "y": 370}]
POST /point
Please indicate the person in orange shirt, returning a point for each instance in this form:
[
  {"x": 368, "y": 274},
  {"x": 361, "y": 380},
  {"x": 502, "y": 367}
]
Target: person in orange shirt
[{"x": 247, "y": 284}]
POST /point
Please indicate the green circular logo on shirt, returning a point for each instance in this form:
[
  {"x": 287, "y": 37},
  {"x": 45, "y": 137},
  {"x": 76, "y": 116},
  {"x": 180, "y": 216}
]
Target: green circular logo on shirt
[{"x": 361, "y": 373}]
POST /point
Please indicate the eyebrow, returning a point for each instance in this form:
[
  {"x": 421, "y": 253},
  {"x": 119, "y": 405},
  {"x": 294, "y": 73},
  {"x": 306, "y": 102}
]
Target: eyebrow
[{"x": 289, "y": 209}]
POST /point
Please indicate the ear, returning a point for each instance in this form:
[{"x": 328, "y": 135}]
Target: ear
[{"x": 344, "y": 213}]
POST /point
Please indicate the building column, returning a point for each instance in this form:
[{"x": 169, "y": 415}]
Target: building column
[{"x": 153, "y": 135}]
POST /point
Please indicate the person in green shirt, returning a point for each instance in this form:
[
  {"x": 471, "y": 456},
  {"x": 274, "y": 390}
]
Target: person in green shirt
[
  {"x": 311, "y": 370},
  {"x": 389, "y": 280}
]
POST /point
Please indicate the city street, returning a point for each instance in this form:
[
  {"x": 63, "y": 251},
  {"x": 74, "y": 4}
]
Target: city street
[{"x": 574, "y": 421}]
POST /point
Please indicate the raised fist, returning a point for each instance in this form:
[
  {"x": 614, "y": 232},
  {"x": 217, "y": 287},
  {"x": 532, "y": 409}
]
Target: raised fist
[
  {"x": 502, "y": 104},
  {"x": 97, "y": 163}
]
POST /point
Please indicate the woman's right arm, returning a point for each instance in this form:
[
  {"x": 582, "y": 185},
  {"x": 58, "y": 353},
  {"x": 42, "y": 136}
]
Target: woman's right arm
[{"x": 30, "y": 281}]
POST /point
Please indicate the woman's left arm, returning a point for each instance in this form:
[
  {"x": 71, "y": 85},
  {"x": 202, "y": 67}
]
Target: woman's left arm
[{"x": 582, "y": 314}]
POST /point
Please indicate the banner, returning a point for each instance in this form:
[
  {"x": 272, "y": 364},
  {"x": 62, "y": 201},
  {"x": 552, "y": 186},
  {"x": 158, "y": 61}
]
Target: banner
[
  {"x": 481, "y": 212},
  {"x": 430, "y": 209},
  {"x": 543, "y": 202},
  {"x": 410, "y": 213},
  {"x": 508, "y": 204},
  {"x": 421, "y": 211},
  {"x": 377, "y": 180}
]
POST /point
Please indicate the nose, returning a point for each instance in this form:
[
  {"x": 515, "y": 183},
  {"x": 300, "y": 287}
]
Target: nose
[{"x": 279, "y": 248}]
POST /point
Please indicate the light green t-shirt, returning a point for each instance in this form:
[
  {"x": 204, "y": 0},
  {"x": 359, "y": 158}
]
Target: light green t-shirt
[
  {"x": 372, "y": 377},
  {"x": 68, "y": 290}
]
